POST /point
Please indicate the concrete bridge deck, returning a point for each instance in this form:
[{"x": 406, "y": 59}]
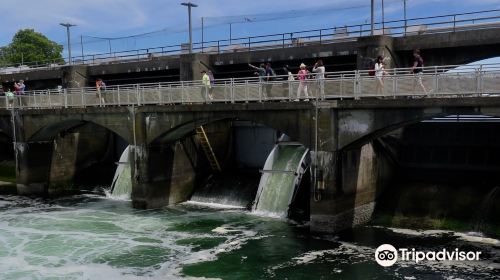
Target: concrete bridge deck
[{"x": 445, "y": 81}]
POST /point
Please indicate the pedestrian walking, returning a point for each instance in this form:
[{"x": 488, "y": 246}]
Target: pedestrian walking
[
  {"x": 19, "y": 87},
  {"x": 100, "y": 87},
  {"x": 379, "y": 74},
  {"x": 10, "y": 97},
  {"x": 261, "y": 73},
  {"x": 302, "y": 77},
  {"x": 319, "y": 70},
  {"x": 288, "y": 71},
  {"x": 417, "y": 70},
  {"x": 212, "y": 84},
  {"x": 206, "y": 85}
]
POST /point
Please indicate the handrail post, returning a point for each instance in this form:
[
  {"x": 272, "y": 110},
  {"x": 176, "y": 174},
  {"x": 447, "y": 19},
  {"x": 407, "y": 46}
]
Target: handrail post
[
  {"x": 320, "y": 37},
  {"x": 218, "y": 47},
  {"x": 341, "y": 89},
  {"x": 247, "y": 92},
  {"x": 283, "y": 45},
  {"x": 436, "y": 81},
  {"x": 118, "y": 94},
  {"x": 480, "y": 82},
  {"x": 394, "y": 82},
  {"x": 260, "y": 90},
  {"x": 357, "y": 86},
  {"x": 232, "y": 90},
  {"x": 160, "y": 101},
  {"x": 50, "y": 99},
  {"x": 454, "y": 22},
  {"x": 65, "y": 92},
  {"x": 182, "y": 88},
  {"x": 137, "y": 94},
  {"x": 170, "y": 97}
]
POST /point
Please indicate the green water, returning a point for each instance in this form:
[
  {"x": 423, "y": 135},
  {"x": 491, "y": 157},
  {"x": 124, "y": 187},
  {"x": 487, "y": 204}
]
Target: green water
[
  {"x": 94, "y": 237},
  {"x": 277, "y": 188}
]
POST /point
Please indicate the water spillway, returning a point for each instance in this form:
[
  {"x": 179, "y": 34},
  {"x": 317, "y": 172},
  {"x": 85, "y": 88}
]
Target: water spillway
[
  {"x": 236, "y": 188},
  {"x": 280, "y": 179},
  {"x": 121, "y": 187}
]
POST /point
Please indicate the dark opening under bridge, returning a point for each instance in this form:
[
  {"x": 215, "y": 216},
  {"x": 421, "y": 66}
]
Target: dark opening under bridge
[{"x": 340, "y": 124}]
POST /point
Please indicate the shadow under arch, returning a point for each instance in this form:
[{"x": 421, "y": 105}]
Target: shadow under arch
[
  {"x": 176, "y": 133},
  {"x": 66, "y": 156},
  {"x": 379, "y": 145},
  {"x": 50, "y": 131}
]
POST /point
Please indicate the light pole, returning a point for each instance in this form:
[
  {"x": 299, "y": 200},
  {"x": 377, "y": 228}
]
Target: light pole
[
  {"x": 68, "y": 25},
  {"x": 404, "y": 10},
  {"x": 372, "y": 16},
  {"x": 383, "y": 19},
  {"x": 190, "y": 5}
]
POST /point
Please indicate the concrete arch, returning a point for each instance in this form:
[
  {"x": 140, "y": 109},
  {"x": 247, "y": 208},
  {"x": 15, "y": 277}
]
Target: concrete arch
[
  {"x": 47, "y": 128},
  {"x": 168, "y": 127},
  {"x": 402, "y": 120}
]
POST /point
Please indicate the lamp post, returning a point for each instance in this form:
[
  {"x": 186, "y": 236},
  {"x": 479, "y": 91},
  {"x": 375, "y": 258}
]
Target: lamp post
[
  {"x": 404, "y": 11},
  {"x": 68, "y": 25},
  {"x": 372, "y": 16},
  {"x": 190, "y": 5}
]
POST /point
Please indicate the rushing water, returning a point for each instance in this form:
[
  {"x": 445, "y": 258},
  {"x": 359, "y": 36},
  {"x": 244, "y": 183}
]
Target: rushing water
[
  {"x": 278, "y": 182},
  {"x": 94, "y": 237},
  {"x": 122, "y": 185}
]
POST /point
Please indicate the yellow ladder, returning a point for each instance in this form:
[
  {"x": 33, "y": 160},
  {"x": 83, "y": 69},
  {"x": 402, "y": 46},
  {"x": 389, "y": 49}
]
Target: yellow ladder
[{"x": 207, "y": 148}]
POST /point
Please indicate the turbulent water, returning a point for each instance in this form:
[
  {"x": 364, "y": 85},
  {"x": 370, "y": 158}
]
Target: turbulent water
[
  {"x": 122, "y": 185},
  {"x": 93, "y": 237},
  {"x": 276, "y": 187}
]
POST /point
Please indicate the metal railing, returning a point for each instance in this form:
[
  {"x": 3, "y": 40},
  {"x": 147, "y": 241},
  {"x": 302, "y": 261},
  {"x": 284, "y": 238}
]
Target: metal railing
[
  {"x": 439, "y": 81},
  {"x": 408, "y": 27}
]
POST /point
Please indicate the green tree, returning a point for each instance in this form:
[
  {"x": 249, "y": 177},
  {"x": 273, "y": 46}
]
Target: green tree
[{"x": 30, "y": 47}]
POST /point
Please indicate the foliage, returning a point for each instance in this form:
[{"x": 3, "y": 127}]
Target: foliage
[{"x": 28, "y": 47}]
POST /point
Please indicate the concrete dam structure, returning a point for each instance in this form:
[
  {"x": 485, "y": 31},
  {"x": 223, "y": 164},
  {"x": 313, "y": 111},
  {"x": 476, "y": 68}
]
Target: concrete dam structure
[{"x": 357, "y": 148}]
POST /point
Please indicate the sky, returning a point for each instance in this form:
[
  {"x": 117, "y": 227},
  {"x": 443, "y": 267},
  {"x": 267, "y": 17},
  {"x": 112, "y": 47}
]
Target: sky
[{"x": 120, "y": 18}]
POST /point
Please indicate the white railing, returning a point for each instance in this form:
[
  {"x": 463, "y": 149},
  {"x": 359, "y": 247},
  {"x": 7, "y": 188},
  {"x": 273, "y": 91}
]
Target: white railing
[{"x": 439, "y": 81}]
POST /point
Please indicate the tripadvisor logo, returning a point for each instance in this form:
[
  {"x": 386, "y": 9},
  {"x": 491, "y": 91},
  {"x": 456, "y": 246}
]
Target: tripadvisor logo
[{"x": 387, "y": 255}]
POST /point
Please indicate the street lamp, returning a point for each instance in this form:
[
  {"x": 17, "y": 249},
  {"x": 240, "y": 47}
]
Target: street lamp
[
  {"x": 372, "y": 16},
  {"x": 68, "y": 25},
  {"x": 190, "y": 5}
]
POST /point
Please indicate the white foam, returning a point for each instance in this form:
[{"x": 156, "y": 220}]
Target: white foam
[
  {"x": 474, "y": 237},
  {"x": 212, "y": 205},
  {"x": 477, "y": 239},
  {"x": 224, "y": 230},
  {"x": 267, "y": 214}
]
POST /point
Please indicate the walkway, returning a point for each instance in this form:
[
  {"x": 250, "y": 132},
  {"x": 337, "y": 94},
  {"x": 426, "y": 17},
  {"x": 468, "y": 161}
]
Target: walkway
[{"x": 446, "y": 81}]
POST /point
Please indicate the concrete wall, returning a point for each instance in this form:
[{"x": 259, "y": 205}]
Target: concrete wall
[
  {"x": 449, "y": 48},
  {"x": 362, "y": 174}
]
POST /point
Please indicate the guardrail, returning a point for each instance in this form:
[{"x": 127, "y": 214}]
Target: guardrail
[
  {"x": 439, "y": 81},
  {"x": 408, "y": 27}
]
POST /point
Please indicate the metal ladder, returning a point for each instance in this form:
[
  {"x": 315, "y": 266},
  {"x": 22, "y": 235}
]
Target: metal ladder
[{"x": 207, "y": 148}]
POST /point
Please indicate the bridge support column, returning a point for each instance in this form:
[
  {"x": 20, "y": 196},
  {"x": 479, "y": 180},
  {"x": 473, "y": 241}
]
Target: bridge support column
[
  {"x": 33, "y": 167},
  {"x": 75, "y": 76},
  {"x": 161, "y": 173},
  {"x": 348, "y": 181},
  {"x": 191, "y": 66},
  {"x": 369, "y": 48}
]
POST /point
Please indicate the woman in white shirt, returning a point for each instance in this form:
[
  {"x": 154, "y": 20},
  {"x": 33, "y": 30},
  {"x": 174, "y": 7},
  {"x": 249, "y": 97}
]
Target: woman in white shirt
[
  {"x": 319, "y": 69},
  {"x": 379, "y": 74}
]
